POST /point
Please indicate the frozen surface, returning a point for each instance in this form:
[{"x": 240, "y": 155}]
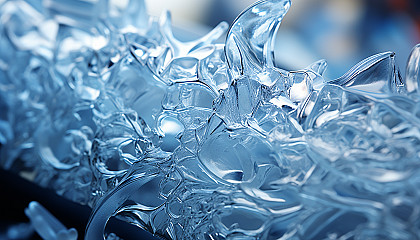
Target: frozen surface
[{"x": 197, "y": 140}]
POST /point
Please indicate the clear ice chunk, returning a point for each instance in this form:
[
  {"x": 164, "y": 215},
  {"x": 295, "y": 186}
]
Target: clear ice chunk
[
  {"x": 250, "y": 41},
  {"x": 200, "y": 140}
]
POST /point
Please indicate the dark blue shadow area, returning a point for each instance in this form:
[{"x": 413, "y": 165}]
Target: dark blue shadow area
[{"x": 16, "y": 193}]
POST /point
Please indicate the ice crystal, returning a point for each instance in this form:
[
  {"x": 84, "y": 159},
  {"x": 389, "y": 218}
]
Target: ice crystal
[{"x": 199, "y": 140}]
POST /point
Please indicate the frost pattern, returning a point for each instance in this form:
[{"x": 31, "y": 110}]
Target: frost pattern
[{"x": 198, "y": 140}]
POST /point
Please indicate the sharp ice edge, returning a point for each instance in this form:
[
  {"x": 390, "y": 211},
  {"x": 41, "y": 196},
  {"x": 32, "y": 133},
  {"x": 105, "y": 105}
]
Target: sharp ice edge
[{"x": 197, "y": 140}]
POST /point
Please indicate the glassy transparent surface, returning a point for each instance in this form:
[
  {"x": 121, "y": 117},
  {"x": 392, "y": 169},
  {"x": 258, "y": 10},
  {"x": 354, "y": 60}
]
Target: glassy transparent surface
[{"x": 200, "y": 140}]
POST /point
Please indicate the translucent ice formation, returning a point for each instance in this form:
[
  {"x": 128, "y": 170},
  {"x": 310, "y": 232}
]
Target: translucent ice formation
[
  {"x": 198, "y": 140},
  {"x": 46, "y": 225}
]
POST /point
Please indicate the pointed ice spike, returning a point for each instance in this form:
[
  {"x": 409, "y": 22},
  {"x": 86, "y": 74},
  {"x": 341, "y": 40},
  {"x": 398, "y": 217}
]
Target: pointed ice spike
[
  {"x": 249, "y": 44},
  {"x": 412, "y": 73},
  {"x": 46, "y": 225},
  {"x": 317, "y": 69},
  {"x": 181, "y": 49},
  {"x": 376, "y": 74},
  {"x": 319, "y": 66}
]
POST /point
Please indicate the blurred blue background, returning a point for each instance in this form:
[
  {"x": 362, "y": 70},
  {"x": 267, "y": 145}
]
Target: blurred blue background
[{"x": 341, "y": 31}]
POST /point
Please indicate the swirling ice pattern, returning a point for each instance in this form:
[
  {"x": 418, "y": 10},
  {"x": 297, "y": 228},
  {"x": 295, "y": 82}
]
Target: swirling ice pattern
[{"x": 197, "y": 140}]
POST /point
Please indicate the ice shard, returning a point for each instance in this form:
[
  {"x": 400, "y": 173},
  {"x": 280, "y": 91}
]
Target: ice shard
[
  {"x": 200, "y": 140},
  {"x": 46, "y": 225}
]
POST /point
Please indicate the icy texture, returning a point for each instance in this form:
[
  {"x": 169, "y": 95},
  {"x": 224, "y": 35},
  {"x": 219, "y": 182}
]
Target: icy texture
[{"x": 197, "y": 140}]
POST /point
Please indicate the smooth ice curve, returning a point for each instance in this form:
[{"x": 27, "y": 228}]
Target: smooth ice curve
[{"x": 200, "y": 140}]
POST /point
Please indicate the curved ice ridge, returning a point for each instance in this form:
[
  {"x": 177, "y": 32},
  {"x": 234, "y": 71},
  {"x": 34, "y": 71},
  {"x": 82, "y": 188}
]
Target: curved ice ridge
[{"x": 198, "y": 140}]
